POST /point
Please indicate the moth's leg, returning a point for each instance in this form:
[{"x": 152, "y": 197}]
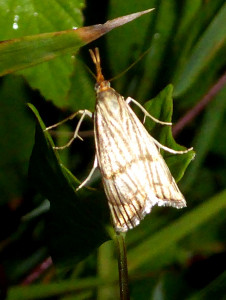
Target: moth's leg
[
  {"x": 128, "y": 100},
  {"x": 169, "y": 149},
  {"x": 71, "y": 117},
  {"x": 146, "y": 114},
  {"x": 95, "y": 164},
  {"x": 83, "y": 113}
]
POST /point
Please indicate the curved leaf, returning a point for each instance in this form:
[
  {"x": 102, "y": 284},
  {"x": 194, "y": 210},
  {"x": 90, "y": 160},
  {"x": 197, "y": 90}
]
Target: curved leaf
[
  {"x": 75, "y": 218},
  {"x": 161, "y": 107}
]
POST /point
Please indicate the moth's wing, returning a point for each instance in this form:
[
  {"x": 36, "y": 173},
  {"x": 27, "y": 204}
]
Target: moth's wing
[
  {"x": 134, "y": 174},
  {"x": 127, "y": 199},
  {"x": 161, "y": 181},
  {"x": 132, "y": 193}
]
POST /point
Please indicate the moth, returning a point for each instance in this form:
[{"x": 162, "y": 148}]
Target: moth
[{"x": 134, "y": 174}]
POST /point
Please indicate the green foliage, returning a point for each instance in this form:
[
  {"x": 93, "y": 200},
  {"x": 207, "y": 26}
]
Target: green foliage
[
  {"x": 40, "y": 18},
  {"x": 172, "y": 254},
  {"x": 16, "y": 130},
  {"x": 162, "y": 108},
  {"x": 207, "y": 48},
  {"x": 73, "y": 216}
]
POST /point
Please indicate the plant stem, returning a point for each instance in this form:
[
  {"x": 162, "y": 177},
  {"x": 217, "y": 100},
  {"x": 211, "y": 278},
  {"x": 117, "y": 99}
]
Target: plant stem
[
  {"x": 122, "y": 266},
  {"x": 38, "y": 271}
]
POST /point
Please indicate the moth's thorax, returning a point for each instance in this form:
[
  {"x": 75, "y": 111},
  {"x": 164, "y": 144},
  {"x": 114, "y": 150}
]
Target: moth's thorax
[{"x": 107, "y": 96}]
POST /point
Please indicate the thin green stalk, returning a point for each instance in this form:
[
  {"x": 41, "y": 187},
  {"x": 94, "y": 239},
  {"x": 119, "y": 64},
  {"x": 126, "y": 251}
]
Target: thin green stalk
[{"x": 122, "y": 266}]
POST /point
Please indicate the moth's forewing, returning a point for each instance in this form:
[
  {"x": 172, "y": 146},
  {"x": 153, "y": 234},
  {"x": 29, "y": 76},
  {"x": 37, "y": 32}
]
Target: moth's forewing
[{"x": 134, "y": 174}]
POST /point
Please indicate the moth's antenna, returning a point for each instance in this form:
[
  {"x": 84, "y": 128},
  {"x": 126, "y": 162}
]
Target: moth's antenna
[
  {"x": 132, "y": 65},
  {"x": 95, "y": 55},
  {"x": 89, "y": 70}
]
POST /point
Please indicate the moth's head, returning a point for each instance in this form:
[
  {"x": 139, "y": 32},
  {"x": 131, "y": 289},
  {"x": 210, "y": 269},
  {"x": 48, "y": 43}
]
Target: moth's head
[{"x": 102, "y": 86}]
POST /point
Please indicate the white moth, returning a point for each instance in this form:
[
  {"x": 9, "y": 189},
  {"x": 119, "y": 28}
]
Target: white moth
[{"x": 134, "y": 174}]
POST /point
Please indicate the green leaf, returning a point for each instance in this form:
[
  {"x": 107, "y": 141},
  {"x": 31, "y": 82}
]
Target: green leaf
[
  {"x": 38, "y": 18},
  {"x": 82, "y": 93},
  {"x": 54, "y": 289},
  {"x": 26, "y": 17},
  {"x": 52, "y": 78},
  {"x": 130, "y": 41},
  {"x": 165, "y": 17},
  {"x": 76, "y": 218},
  {"x": 161, "y": 107},
  {"x": 27, "y": 51},
  {"x": 16, "y": 134},
  {"x": 35, "y": 18},
  {"x": 204, "y": 51},
  {"x": 190, "y": 11}
]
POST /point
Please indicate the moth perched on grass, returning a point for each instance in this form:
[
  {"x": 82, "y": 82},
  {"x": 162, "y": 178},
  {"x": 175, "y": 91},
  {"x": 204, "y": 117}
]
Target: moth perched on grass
[{"x": 134, "y": 174}]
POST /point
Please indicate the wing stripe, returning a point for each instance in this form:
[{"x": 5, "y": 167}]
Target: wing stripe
[
  {"x": 150, "y": 177},
  {"x": 123, "y": 168},
  {"x": 124, "y": 208},
  {"x": 163, "y": 167},
  {"x": 110, "y": 192},
  {"x": 160, "y": 185},
  {"x": 144, "y": 157},
  {"x": 136, "y": 213},
  {"x": 112, "y": 207}
]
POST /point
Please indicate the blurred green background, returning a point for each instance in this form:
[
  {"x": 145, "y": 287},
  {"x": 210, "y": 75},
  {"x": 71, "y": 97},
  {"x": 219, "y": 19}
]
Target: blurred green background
[{"x": 172, "y": 254}]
